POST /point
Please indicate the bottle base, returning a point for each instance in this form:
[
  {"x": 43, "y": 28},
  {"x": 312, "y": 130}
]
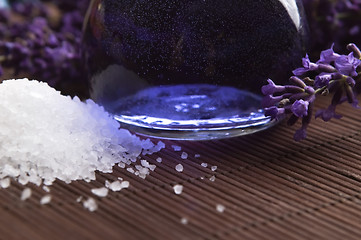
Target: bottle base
[
  {"x": 191, "y": 112},
  {"x": 192, "y": 129}
]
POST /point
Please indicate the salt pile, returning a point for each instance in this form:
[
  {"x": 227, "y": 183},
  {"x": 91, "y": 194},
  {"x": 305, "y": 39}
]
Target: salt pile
[{"x": 46, "y": 136}]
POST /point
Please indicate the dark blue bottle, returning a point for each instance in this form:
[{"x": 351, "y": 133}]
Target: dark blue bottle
[{"x": 190, "y": 69}]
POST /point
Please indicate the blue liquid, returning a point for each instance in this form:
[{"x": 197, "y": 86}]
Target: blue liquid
[{"x": 191, "y": 112}]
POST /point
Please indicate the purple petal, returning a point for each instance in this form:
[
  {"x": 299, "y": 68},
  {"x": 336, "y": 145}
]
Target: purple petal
[
  {"x": 300, "y": 108},
  {"x": 328, "y": 56},
  {"x": 347, "y": 64},
  {"x": 300, "y": 134},
  {"x": 271, "y": 88}
]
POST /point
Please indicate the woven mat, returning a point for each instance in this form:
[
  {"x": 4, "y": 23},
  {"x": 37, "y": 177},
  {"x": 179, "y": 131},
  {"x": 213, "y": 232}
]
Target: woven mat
[{"x": 271, "y": 188}]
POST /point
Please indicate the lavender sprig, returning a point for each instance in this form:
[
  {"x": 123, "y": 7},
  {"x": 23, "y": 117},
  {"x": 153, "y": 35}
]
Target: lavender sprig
[{"x": 333, "y": 73}]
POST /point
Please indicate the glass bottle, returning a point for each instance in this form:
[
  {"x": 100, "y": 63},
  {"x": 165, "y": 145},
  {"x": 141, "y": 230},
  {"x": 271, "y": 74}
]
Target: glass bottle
[{"x": 190, "y": 69}]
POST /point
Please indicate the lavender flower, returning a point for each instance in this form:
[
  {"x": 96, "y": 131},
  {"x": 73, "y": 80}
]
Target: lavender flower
[
  {"x": 347, "y": 64},
  {"x": 43, "y": 46},
  {"x": 333, "y": 73},
  {"x": 300, "y": 108},
  {"x": 307, "y": 66}
]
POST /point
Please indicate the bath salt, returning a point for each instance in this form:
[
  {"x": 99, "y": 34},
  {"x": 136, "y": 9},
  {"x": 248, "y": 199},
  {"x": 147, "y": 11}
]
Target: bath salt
[
  {"x": 25, "y": 194},
  {"x": 90, "y": 204},
  {"x": 184, "y": 221},
  {"x": 116, "y": 185},
  {"x": 220, "y": 208},
  {"x": 213, "y": 178},
  {"x": 100, "y": 192},
  {"x": 46, "y": 136},
  {"x": 176, "y": 148},
  {"x": 46, "y": 188},
  {"x": 214, "y": 168},
  {"x": 178, "y": 189},
  {"x": 204, "y": 164},
  {"x": 45, "y": 200},
  {"x": 5, "y": 183},
  {"x": 179, "y": 168},
  {"x": 184, "y": 155}
]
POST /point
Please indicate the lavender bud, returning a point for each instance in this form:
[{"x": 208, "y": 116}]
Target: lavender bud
[
  {"x": 326, "y": 68},
  {"x": 356, "y": 51},
  {"x": 297, "y": 81}
]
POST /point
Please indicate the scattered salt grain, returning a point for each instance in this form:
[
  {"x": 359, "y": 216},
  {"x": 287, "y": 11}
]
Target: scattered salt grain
[
  {"x": 5, "y": 183},
  {"x": 159, "y": 159},
  {"x": 79, "y": 199},
  {"x": 152, "y": 167},
  {"x": 46, "y": 188},
  {"x": 204, "y": 164},
  {"x": 184, "y": 221},
  {"x": 117, "y": 185},
  {"x": 45, "y": 200},
  {"x": 60, "y": 137},
  {"x": 176, "y": 148},
  {"x": 184, "y": 155},
  {"x": 179, "y": 168},
  {"x": 25, "y": 194},
  {"x": 144, "y": 163},
  {"x": 125, "y": 184},
  {"x": 220, "y": 208},
  {"x": 197, "y": 155},
  {"x": 131, "y": 170},
  {"x": 90, "y": 204},
  {"x": 214, "y": 168},
  {"x": 213, "y": 178},
  {"x": 121, "y": 165},
  {"x": 178, "y": 189},
  {"x": 100, "y": 192}
]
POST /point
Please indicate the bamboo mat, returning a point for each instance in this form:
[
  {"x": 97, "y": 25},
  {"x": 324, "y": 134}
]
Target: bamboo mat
[{"x": 271, "y": 188}]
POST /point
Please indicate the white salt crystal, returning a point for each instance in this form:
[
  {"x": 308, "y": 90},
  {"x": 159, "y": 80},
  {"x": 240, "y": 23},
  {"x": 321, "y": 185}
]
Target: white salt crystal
[
  {"x": 176, "y": 148},
  {"x": 125, "y": 184},
  {"x": 117, "y": 185},
  {"x": 159, "y": 159},
  {"x": 197, "y": 155},
  {"x": 184, "y": 155},
  {"x": 144, "y": 163},
  {"x": 214, "y": 168},
  {"x": 79, "y": 199},
  {"x": 46, "y": 188},
  {"x": 220, "y": 208},
  {"x": 204, "y": 164},
  {"x": 131, "y": 170},
  {"x": 5, "y": 183},
  {"x": 184, "y": 221},
  {"x": 120, "y": 178},
  {"x": 46, "y": 136},
  {"x": 179, "y": 168},
  {"x": 45, "y": 200},
  {"x": 121, "y": 165},
  {"x": 213, "y": 178},
  {"x": 90, "y": 204},
  {"x": 178, "y": 189},
  {"x": 152, "y": 167},
  {"x": 25, "y": 194},
  {"x": 100, "y": 192}
]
